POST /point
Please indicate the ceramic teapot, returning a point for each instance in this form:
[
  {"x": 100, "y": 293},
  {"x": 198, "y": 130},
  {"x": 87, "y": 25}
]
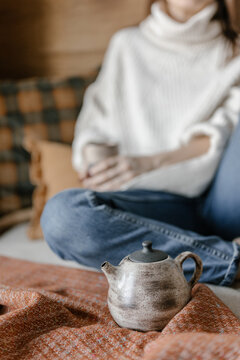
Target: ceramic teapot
[{"x": 148, "y": 288}]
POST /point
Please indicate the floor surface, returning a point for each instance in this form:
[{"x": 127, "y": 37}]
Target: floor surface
[{"x": 15, "y": 243}]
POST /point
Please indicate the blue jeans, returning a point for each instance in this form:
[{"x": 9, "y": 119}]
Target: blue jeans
[{"x": 91, "y": 227}]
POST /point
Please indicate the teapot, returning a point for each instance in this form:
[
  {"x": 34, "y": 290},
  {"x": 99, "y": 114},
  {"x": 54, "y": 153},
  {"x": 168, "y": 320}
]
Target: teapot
[{"x": 148, "y": 288}]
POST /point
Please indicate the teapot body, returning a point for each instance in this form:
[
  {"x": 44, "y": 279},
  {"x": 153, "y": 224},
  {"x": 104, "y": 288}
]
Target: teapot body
[{"x": 147, "y": 296}]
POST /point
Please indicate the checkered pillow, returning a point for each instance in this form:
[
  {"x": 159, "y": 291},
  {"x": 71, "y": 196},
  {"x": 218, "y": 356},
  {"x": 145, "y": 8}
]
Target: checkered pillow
[{"x": 43, "y": 108}]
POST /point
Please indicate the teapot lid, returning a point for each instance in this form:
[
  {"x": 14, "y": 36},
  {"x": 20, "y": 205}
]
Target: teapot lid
[{"x": 147, "y": 254}]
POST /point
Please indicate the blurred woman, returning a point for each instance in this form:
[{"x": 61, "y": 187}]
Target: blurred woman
[{"x": 168, "y": 95}]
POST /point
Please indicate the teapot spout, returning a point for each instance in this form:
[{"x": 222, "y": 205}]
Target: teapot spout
[{"x": 110, "y": 271}]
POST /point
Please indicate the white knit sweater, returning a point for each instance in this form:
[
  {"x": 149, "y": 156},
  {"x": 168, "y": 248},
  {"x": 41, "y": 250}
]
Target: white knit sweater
[{"x": 162, "y": 83}]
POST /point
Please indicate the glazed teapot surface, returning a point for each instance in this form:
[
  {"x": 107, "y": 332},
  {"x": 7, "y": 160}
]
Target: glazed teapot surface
[{"x": 148, "y": 288}]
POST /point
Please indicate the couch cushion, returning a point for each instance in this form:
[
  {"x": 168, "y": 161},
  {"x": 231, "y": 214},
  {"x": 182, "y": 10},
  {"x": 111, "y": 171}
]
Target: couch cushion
[
  {"x": 41, "y": 108},
  {"x": 51, "y": 171}
]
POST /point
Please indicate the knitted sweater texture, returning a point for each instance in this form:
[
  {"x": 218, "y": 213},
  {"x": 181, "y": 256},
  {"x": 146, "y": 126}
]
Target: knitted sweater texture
[{"x": 161, "y": 84}]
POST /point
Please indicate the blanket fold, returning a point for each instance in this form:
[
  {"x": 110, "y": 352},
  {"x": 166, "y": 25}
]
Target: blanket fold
[{"x": 53, "y": 312}]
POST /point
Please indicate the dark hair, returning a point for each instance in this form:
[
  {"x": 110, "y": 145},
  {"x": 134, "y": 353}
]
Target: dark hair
[{"x": 223, "y": 15}]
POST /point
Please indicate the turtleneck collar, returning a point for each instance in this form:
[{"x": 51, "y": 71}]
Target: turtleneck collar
[{"x": 198, "y": 29}]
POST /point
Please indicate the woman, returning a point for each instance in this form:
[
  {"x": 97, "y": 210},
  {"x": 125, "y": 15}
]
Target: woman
[{"x": 168, "y": 94}]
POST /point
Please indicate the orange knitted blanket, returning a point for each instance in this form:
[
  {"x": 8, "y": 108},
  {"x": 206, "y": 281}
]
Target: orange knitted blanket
[{"x": 53, "y": 312}]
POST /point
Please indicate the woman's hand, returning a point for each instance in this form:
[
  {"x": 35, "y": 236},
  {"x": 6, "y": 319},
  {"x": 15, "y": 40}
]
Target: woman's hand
[{"x": 113, "y": 172}]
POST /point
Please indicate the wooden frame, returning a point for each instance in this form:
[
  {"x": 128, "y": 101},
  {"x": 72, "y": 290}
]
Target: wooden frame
[{"x": 60, "y": 37}]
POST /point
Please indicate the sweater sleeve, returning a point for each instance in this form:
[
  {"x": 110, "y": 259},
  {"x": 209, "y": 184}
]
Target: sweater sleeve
[
  {"x": 190, "y": 178},
  {"x": 95, "y": 122}
]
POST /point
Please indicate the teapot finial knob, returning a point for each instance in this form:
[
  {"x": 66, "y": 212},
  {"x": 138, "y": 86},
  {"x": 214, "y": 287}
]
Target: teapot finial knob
[
  {"x": 147, "y": 254},
  {"x": 147, "y": 246}
]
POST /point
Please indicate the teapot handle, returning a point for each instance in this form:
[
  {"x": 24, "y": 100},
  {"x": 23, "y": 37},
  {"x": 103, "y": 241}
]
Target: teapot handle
[{"x": 198, "y": 269}]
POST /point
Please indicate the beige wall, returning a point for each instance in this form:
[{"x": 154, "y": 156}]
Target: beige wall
[{"x": 62, "y": 37}]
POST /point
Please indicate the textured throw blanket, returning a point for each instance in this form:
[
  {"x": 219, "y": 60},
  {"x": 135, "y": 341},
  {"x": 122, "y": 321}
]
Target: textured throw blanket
[{"x": 53, "y": 312}]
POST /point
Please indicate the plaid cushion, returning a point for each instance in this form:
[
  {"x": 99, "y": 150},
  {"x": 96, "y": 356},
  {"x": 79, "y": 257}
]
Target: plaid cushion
[{"x": 40, "y": 107}]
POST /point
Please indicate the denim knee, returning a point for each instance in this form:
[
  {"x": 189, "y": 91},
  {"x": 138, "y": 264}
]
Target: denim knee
[
  {"x": 72, "y": 224},
  {"x": 221, "y": 209},
  {"x": 57, "y": 219}
]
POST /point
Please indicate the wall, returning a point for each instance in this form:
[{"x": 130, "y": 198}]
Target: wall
[
  {"x": 60, "y": 37},
  {"x": 63, "y": 37}
]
